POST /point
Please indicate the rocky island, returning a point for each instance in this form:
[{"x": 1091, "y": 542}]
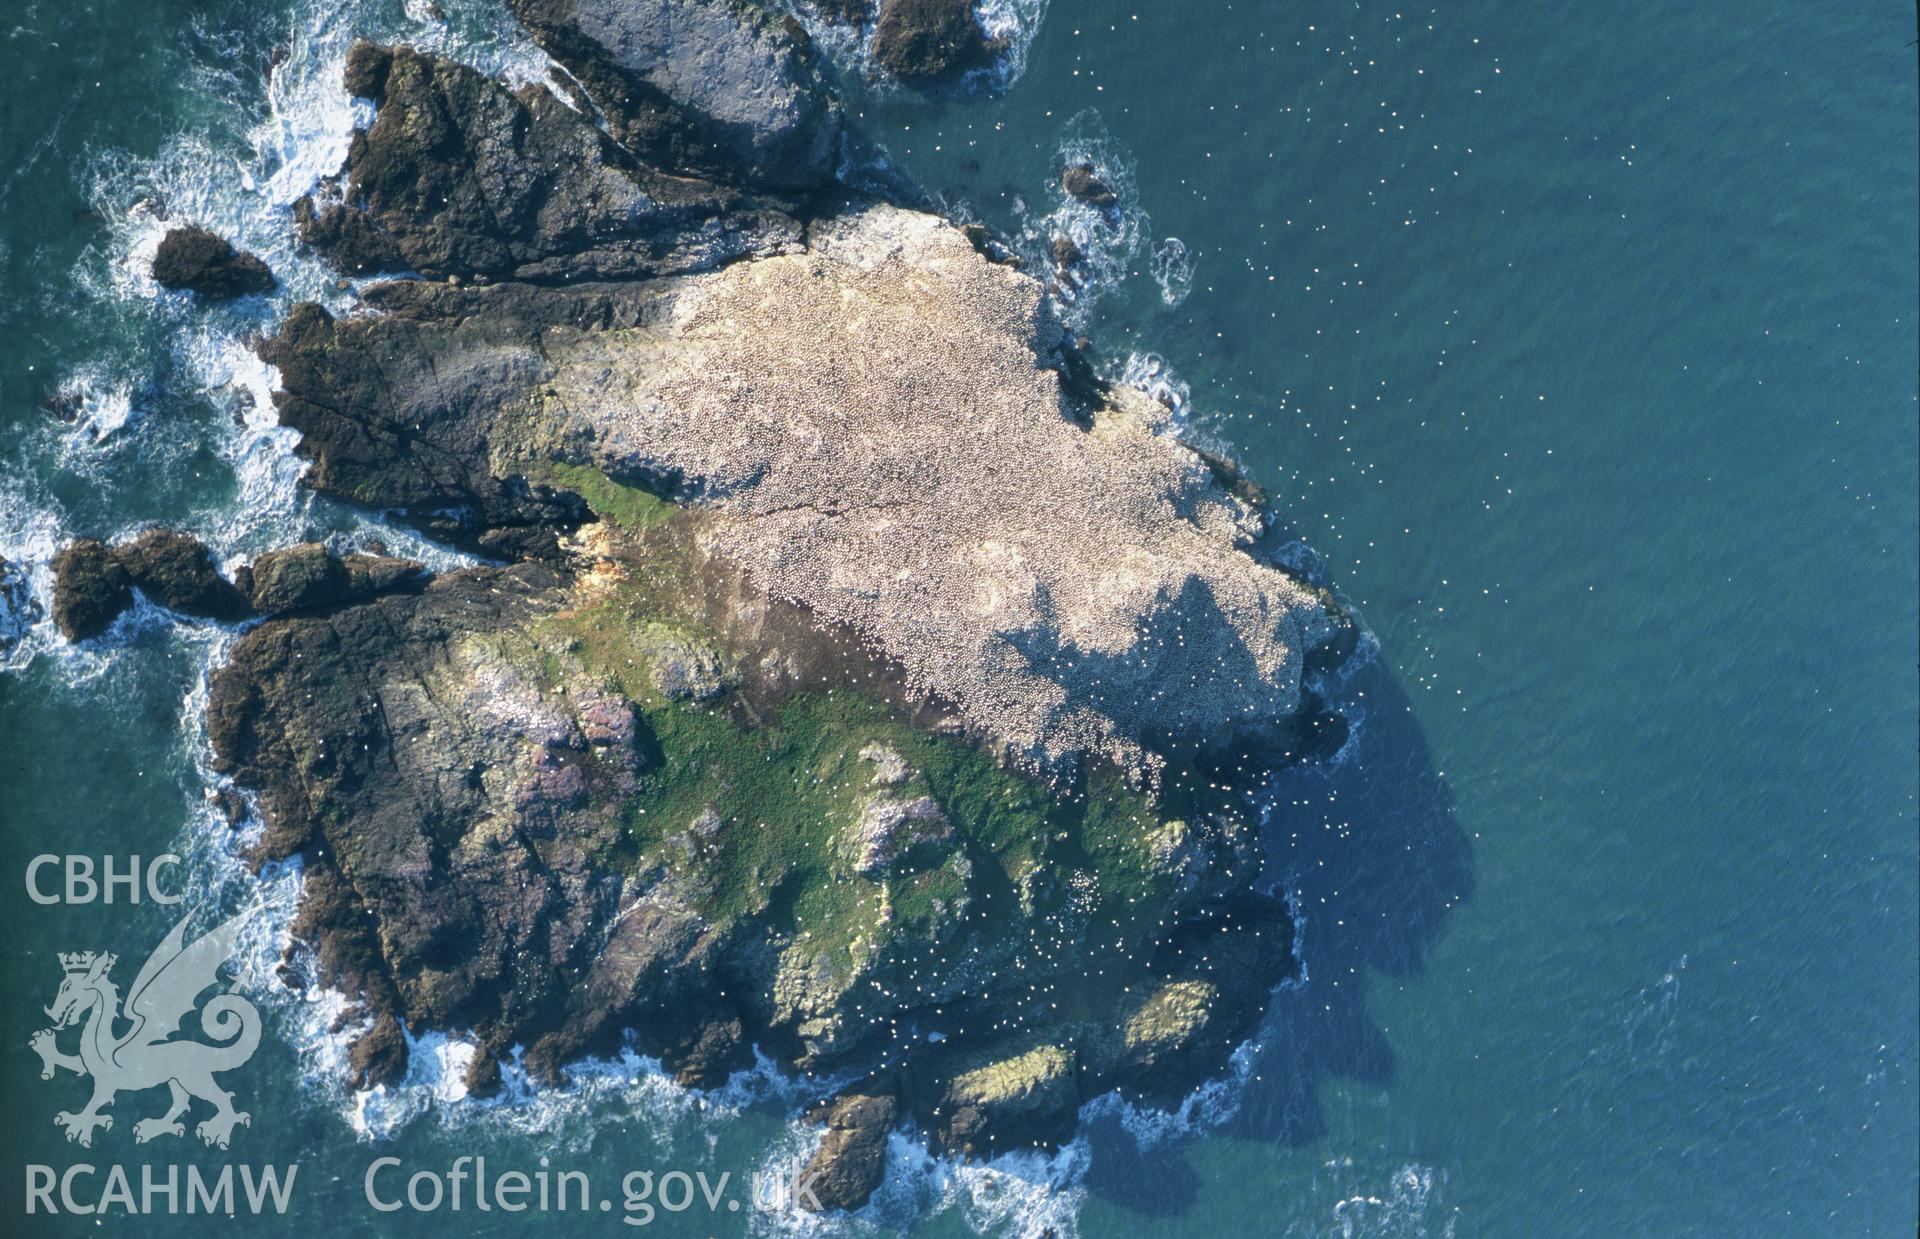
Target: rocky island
[{"x": 854, "y": 674}]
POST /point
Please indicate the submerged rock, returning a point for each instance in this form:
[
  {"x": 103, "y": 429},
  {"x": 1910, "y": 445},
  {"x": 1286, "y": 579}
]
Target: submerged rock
[
  {"x": 195, "y": 260},
  {"x": 1080, "y": 181}
]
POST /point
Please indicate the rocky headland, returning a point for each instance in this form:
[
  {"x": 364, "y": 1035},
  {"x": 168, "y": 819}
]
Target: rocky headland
[{"x": 856, "y": 676}]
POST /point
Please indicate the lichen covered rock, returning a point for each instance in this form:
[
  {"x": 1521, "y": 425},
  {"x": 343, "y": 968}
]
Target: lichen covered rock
[
  {"x": 1029, "y": 1098},
  {"x": 851, "y": 1162}
]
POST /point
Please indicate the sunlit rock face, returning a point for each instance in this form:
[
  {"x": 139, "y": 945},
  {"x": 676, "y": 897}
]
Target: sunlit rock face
[{"x": 874, "y": 421}]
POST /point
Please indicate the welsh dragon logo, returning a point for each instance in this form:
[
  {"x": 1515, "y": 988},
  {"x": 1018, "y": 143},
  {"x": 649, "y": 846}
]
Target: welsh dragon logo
[{"x": 143, "y": 1057}]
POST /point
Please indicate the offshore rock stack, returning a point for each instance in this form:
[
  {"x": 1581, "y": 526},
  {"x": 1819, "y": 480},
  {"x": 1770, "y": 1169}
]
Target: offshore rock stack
[{"x": 858, "y": 677}]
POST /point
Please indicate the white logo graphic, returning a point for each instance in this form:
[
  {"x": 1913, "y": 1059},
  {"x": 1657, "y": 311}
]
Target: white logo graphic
[{"x": 142, "y": 1058}]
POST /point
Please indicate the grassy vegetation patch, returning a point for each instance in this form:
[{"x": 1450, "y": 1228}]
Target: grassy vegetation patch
[
  {"x": 629, "y": 507},
  {"x": 752, "y": 818}
]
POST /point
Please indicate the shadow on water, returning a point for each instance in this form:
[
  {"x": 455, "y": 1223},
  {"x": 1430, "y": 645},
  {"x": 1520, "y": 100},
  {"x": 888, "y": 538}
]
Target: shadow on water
[{"x": 1371, "y": 849}]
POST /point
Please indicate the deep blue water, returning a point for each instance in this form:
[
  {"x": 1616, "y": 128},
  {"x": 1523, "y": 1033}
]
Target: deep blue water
[{"x": 1581, "y": 346}]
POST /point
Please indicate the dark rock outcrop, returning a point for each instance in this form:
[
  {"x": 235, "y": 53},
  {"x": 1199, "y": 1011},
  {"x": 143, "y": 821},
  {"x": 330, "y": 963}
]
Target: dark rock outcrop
[
  {"x": 195, "y": 260},
  {"x": 851, "y": 1162},
  {"x": 366, "y": 70},
  {"x": 93, "y": 582},
  {"x": 460, "y": 176},
  {"x": 178, "y": 572},
  {"x": 90, "y": 589},
  {"x": 378, "y": 1057},
  {"x": 310, "y": 576},
  {"x": 714, "y": 87},
  {"x": 483, "y": 1074},
  {"x": 717, "y": 1049},
  {"x": 424, "y": 410},
  {"x": 922, "y": 40},
  {"x": 1080, "y": 181},
  {"x": 458, "y": 829},
  {"x": 843, "y": 12}
]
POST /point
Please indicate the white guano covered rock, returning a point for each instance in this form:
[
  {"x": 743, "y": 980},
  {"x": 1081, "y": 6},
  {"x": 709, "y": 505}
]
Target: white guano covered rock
[{"x": 873, "y": 427}]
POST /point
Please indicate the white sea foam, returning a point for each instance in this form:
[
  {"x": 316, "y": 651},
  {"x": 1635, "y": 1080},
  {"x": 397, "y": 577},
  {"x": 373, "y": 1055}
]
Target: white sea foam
[
  {"x": 850, "y": 47},
  {"x": 1020, "y": 1195},
  {"x": 1151, "y": 373},
  {"x": 30, "y": 534},
  {"x": 1109, "y": 238},
  {"x": 1399, "y": 1211},
  {"x": 1172, "y": 268},
  {"x": 100, "y": 402},
  {"x": 1016, "y": 21}
]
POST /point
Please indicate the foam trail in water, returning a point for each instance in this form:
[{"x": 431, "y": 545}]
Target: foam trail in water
[
  {"x": 1172, "y": 268},
  {"x": 1400, "y": 1212},
  {"x": 1017, "y": 22}
]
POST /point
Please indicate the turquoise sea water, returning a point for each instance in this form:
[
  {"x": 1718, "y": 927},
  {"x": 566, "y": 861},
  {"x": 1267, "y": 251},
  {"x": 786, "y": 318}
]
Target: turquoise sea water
[{"x": 1582, "y": 349}]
